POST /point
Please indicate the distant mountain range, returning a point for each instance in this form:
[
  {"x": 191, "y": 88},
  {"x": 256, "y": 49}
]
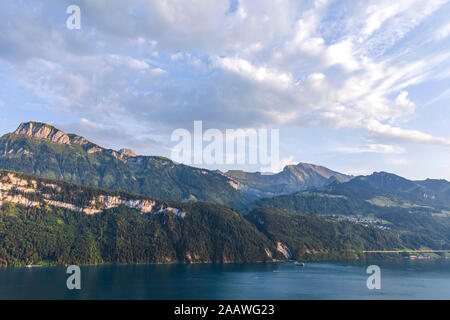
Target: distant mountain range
[
  {"x": 69, "y": 200},
  {"x": 380, "y": 189},
  {"x": 396, "y": 190},
  {"x": 293, "y": 178},
  {"x": 46, "y": 221},
  {"x": 418, "y": 211},
  {"x": 43, "y": 150}
]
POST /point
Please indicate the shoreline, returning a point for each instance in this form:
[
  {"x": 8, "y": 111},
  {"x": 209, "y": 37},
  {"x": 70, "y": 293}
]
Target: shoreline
[{"x": 332, "y": 261}]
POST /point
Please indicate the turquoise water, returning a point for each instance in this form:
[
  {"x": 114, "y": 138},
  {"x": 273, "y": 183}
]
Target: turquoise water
[{"x": 405, "y": 280}]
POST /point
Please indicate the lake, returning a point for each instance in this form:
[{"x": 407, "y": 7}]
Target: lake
[{"x": 401, "y": 280}]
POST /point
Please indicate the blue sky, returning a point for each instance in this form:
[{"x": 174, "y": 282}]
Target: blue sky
[{"x": 358, "y": 86}]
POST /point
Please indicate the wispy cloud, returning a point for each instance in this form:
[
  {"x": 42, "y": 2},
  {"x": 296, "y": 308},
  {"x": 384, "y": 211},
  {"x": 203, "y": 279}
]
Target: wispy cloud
[
  {"x": 411, "y": 136},
  {"x": 157, "y": 65},
  {"x": 443, "y": 32},
  {"x": 372, "y": 148}
]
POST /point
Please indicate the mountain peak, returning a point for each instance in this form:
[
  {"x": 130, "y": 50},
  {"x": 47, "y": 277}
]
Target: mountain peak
[
  {"x": 303, "y": 169},
  {"x": 44, "y": 131},
  {"x": 386, "y": 175},
  {"x": 127, "y": 152},
  {"x": 40, "y": 130}
]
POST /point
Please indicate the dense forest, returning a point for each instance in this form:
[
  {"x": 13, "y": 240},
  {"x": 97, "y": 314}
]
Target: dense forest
[
  {"x": 54, "y": 221},
  {"x": 153, "y": 176},
  {"x": 41, "y": 232},
  {"x": 416, "y": 225},
  {"x": 122, "y": 235},
  {"x": 311, "y": 237},
  {"x": 208, "y": 233},
  {"x": 314, "y": 237}
]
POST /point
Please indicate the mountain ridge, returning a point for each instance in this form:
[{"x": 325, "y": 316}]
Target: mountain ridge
[
  {"x": 44, "y": 131},
  {"x": 392, "y": 186},
  {"x": 41, "y": 149},
  {"x": 292, "y": 178},
  {"x": 336, "y": 217},
  {"x": 46, "y": 221}
]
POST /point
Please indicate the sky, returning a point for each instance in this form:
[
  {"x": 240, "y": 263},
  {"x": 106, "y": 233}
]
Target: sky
[{"x": 357, "y": 86}]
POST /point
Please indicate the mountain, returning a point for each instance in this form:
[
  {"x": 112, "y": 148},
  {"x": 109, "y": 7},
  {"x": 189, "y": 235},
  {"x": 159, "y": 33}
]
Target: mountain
[
  {"x": 42, "y": 150},
  {"x": 419, "y": 212},
  {"x": 293, "y": 178},
  {"x": 364, "y": 194},
  {"x": 54, "y": 222},
  {"x": 440, "y": 188},
  {"x": 317, "y": 202},
  {"x": 46, "y": 221},
  {"x": 388, "y": 189},
  {"x": 311, "y": 237}
]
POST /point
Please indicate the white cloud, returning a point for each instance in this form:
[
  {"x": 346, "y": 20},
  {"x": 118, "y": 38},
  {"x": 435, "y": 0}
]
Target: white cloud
[
  {"x": 177, "y": 56},
  {"x": 378, "y": 14},
  {"x": 266, "y": 63},
  {"x": 441, "y": 96},
  {"x": 259, "y": 74},
  {"x": 87, "y": 123},
  {"x": 285, "y": 162},
  {"x": 398, "y": 161},
  {"x": 372, "y": 148},
  {"x": 443, "y": 32},
  {"x": 404, "y": 105},
  {"x": 113, "y": 136},
  {"x": 132, "y": 63},
  {"x": 399, "y": 134}
]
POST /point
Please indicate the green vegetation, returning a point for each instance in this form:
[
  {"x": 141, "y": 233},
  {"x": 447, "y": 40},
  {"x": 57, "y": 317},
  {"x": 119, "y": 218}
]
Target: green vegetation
[
  {"x": 415, "y": 225},
  {"x": 156, "y": 177},
  {"x": 338, "y": 221},
  {"x": 317, "y": 202},
  {"x": 313, "y": 238},
  {"x": 208, "y": 233}
]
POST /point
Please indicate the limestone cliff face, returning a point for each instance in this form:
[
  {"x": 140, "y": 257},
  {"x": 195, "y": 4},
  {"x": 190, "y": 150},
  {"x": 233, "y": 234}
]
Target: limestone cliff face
[
  {"x": 284, "y": 250},
  {"x": 43, "y": 131},
  {"x": 39, "y": 130},
  {"x": 43, "y": 150},
  {"x": 79, "y": 140},
  {"x": 127, "y": 152},
  {"x": 14, "y": 188},
  {"x": 123, "y": 154}
]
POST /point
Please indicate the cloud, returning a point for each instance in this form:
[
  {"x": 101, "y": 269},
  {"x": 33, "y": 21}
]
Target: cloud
[
  {"x": 372, "y": 148},
  {"x": 399, "y": 134},
  {"x": 398, "y": 161},
  {"x": 406, "y": 106},
  {"x": 162, "y": 65},
  {"x": 258, "y": 74},
  {"x": 114, "y": 59},
  {"x": 441, "y": 96},
  {"x": 443, "y": 32},
  {"x": 113, "y": 136},
  {"x": 285, "y": 162}
]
